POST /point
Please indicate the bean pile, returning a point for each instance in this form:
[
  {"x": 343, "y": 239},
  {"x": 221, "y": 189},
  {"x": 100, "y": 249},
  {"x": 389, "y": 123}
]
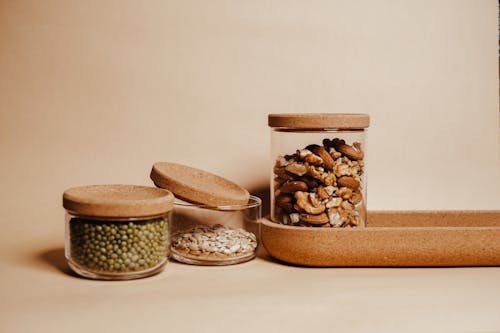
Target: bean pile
[
  {"x": 118, "y": 247},
  {"x": 215, "y": 242}
]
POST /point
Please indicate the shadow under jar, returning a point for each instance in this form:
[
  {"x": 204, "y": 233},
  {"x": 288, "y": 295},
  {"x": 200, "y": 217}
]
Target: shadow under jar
[
  {"x": 215, "y": 235},
  {"x": 117, "y": 232},
  {"x": 318, "y": 174}
]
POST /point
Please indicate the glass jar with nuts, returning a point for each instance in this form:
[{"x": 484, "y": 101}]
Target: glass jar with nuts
[{"x": 318, "y": 175}]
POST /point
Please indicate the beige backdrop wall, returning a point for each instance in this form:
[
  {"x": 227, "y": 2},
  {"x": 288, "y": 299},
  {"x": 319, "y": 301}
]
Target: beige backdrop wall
[{"x": 96, "y": 91}]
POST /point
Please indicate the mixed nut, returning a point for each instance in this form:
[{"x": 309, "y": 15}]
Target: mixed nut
[
  {"x": 320, "y": 185},
  {"x": 215, "y": 242}
]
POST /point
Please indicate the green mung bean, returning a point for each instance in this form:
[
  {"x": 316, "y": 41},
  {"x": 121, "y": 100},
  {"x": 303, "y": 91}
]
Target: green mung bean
[{"x": 118, "y": 247}]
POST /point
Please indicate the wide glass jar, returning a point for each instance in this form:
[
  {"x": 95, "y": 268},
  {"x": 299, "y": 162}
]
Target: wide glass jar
[
  {"x": 217, "y": 222},
  {"x": 318, "y": 172},
  {"x": 117, "y": 232},
  {"x": 215, "y": 235}
]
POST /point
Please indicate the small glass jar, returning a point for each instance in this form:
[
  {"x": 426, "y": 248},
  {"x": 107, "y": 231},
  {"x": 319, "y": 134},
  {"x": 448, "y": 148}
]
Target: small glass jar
[
  {"x": 215, "y": 235},
  {"x": 117, "y": 232},
  {"x": 318, "y": 173},
  {"x": 215, "y": 221}
]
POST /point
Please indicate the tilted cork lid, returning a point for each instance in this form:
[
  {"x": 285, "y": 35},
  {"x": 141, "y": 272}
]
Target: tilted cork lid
[
  {"x": 198, "y": 186},
  {"x": 117, "y": 201},
  {"x": 319, "y": 120}
]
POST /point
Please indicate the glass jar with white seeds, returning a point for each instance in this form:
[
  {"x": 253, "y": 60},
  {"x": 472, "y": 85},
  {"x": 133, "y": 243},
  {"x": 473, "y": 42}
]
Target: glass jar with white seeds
[{"x": 215, "y": 235}]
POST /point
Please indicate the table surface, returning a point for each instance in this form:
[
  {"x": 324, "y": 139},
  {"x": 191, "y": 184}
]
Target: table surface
[{"x": 40, "y": 294}]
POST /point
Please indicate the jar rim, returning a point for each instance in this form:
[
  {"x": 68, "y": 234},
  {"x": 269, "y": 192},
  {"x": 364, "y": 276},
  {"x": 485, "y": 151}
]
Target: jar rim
[
  {"x": 110, "y": 219},
  {"x": 253, "y": 201}
]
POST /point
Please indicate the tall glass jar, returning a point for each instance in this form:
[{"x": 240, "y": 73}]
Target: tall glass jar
[
  {"x": 318, "y": 172},
  {"x": 117, "y": 232}
]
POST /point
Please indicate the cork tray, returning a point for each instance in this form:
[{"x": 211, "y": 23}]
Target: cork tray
[{"x": 392, "y": 238}]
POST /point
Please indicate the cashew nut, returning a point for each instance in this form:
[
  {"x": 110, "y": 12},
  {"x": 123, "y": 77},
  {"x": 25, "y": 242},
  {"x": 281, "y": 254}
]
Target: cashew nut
[
  {"x": 304, "y": 202},
  {"x": 351, "y": 152},
  {"x": 325, "y": 156}
]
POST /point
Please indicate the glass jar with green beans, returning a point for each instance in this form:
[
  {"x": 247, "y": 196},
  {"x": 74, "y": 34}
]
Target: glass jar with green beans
[{"x": 117, "y": 232}]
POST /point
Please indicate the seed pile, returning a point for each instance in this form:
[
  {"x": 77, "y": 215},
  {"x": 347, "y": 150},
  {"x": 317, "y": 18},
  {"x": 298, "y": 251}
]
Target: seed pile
[
  {"x": 215, "y": 242},
  {"x": 117, "y": 247}
]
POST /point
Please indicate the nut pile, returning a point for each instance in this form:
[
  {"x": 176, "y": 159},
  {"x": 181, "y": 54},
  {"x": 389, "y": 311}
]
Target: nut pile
[
  {"x": 215, "y": 242},
  {"x": 117, "y": 247},
  {"x": 320, "y": 185}
]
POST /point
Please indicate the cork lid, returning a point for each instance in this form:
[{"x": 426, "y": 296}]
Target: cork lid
[
  {"x": 198, "y": 186},
  {"x": 117, "y": 201},
  {"x": 319, "y": 120}
]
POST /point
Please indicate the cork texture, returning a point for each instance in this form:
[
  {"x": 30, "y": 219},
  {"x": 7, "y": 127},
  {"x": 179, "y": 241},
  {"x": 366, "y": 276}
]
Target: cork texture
[
  {"x": 118, "y": 201},
  {"x": 319, "y": 120},
  {"x": 430, "y": 238},
  {"x": 198, "y": 186}
]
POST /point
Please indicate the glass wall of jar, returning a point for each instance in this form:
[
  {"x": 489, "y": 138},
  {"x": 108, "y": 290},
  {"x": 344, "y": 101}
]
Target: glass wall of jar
[
  {"x": 318, "y": 172},
  {"x": 215, "y": 235},
  {"x": 117, "y": 232}
]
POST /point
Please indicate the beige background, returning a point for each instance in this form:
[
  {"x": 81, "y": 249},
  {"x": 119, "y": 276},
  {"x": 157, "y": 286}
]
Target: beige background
[{"x": 96, "y": 91}]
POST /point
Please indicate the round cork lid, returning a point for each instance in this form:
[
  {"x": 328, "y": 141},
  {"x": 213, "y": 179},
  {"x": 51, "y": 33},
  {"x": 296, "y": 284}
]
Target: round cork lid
[
  {"x": 117, "y": 201},
  {"x": 198, "y": 186},
  {"x": 319, "y": 120}
]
